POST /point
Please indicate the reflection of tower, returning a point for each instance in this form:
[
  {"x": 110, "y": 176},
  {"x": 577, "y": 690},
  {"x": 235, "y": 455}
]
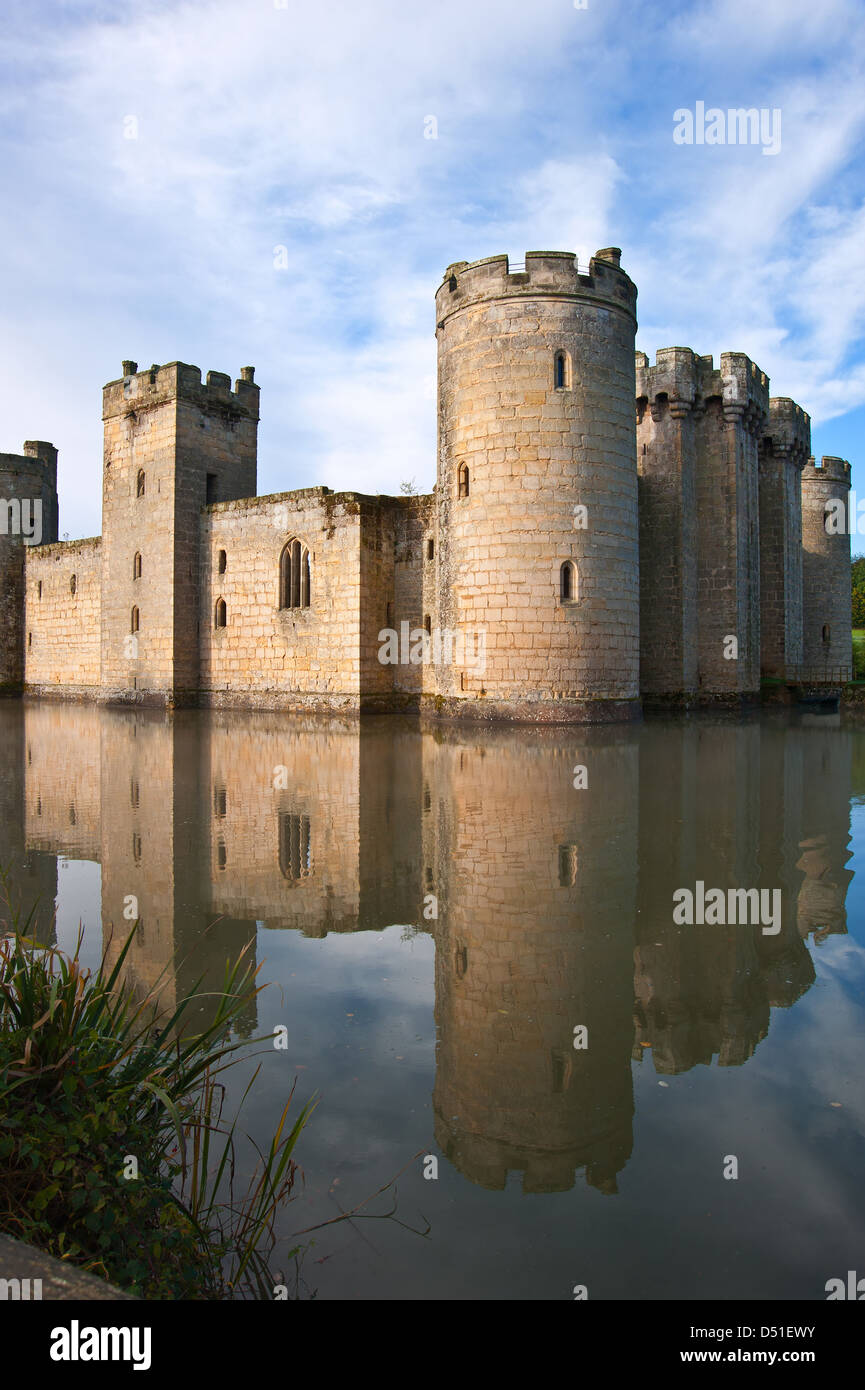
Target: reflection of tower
[
  {"x": 154, "y": 865},
  {"x": 734, "y": 791},
  {"x": 535, "y": 887},
  {"x": 825, "y": 829},
  {"x": 31, "y": 865}
]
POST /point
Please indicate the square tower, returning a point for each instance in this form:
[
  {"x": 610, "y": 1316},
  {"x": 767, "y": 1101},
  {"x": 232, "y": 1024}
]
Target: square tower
[{"x": 172, "y": 445}]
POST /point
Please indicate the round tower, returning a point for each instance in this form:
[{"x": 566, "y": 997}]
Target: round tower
[
  {"x": 28, "y": 516},
  {"x": 537, "y": 555},
  {"x": 826, "y": 598}
]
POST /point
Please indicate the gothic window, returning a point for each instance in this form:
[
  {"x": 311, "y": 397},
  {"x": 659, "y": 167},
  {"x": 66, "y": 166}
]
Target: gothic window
[
  {"x": 136, "y": 565},
  {"x": 294, "y": 578},
  {"x": 568, "y": 582},
  {"x": 134, "y": 621},
  {"x": 462, "y": 481},
  {"x": 139, "y": 486},
  {"x": 221, "y": 613}
]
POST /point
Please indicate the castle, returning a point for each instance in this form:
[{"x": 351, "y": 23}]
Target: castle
[{"x": 599, "y": 556}]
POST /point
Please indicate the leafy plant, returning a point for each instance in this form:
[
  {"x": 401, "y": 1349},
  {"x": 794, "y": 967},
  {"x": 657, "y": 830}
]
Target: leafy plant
[{"x": 114, "y": 1153}]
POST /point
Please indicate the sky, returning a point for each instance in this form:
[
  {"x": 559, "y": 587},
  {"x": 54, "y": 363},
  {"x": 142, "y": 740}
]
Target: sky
[{"x": 268, "y": 183}]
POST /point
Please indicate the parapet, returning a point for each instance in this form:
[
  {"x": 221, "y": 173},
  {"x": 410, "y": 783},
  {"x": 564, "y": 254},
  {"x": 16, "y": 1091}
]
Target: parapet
[
  {"x": 178, "y": 380},
  {"x": 674, "y": 375},
  {"x": 828, "y": 470},
  {"x": 545, "y": 273},
  {"x": 685, "y": 379},
  {"x": 38, "y": 460},
  {"x": 788, "y": 430}
]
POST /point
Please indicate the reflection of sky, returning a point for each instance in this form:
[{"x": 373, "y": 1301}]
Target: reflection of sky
[
  {"x": 79, "y": 904},
  {"x": 359, "y": 1013}
]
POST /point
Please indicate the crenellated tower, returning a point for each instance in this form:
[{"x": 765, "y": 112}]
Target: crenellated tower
[
  {"x": 537, "y": 544},
  {"x": 172, "y": 444},
  {"x": 827, "y": 600},
  {"x": 28, "y": 516},
  {"x": 698, "y": 430},
  {"x": 784, "y": 450}
]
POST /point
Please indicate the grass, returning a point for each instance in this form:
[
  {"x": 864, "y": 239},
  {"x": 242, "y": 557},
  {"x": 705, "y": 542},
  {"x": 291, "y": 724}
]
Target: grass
[{"x": 114, "y": 1151}]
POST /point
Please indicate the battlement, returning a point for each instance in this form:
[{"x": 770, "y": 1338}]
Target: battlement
[
  {"x": 137, "y": 391},
  {"x": 545, "y": 273},
  {"x": 788, "y": 430},
  {"x": 37, "y": 462},
  {"x": 684, "y": 378},
  {"x": 829, "y": 469}
]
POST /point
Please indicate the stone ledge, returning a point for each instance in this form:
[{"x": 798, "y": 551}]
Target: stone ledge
[{"x": 59, "y": 1281}]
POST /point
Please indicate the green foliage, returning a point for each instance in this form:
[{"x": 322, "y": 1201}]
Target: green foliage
[{"x": 90, "y": 1079}]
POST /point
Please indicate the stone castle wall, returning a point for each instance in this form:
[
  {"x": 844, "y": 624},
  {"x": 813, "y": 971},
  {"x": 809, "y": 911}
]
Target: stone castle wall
[
  {"x": 569, "y": 561},
  {"x": 62, "y": 613}
]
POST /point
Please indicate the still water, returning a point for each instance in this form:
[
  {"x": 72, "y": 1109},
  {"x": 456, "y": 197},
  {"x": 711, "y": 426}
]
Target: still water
[{"x": 332, "y": 847}]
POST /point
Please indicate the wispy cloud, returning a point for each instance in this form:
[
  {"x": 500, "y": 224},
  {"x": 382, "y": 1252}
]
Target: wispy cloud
[{"x": 259, "y": 127}]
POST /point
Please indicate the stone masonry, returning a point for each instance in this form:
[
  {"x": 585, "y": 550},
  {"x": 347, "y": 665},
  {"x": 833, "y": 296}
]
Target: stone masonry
[{"x": 574, "y": 560}]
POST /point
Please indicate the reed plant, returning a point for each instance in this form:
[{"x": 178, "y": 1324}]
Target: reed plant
[{"x": 115, "y": 1152}]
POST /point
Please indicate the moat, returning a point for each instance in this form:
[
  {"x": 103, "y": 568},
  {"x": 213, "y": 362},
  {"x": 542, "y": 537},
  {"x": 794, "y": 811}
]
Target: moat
[{"x": 436, "y": 914}]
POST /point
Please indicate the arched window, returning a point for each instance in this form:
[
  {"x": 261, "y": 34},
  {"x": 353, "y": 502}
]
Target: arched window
[
  {"x": 73, "y": 584},
  {"x": 139, "y": 486},
  {"x": 136, "y": 565},
  {"x": 560, "y": 371},
  {"x": 463, "y": 480},
  {"x": 827, "y": 633},
  {"x": 134, "y": 621},
  {"x": 223, "y": 562},
  {"x": 430, "y": 549},
  {"x": 568, "y": 582},
  {"x": 220, "y": 617},
  {"x": 294, "y": 578}
]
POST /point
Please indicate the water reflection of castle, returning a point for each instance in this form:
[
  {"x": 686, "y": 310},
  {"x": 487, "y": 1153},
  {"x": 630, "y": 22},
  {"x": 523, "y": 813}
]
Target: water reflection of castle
[{"x": 554, "y": 904}]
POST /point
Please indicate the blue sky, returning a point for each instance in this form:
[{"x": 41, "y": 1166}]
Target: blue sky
[{"x": 261, "y": 125}]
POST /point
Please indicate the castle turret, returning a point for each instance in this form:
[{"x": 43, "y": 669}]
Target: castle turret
[
  {"x": 28, "y": 516},
  {"x": 827, "y": 637},
  {"x": 172, "y": 444},
  {"x": 537, "y": 487},
  {"x": 698, "y": 432},
  {"x": 784, "y": 450}
]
